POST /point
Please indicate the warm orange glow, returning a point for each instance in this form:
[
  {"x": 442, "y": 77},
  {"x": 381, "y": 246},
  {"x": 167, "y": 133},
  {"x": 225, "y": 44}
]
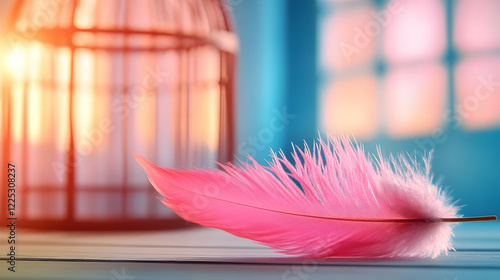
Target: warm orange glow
[
  {"x": 350, "y": 107},
  {"x": 83, "y": 38},
  {"x": 205, "y": 117},
  {"x": 62, "y": 78},
  {"x": 15, "y": 62},
  {"x": 17, "y": 100},
  {"x": 36, "y": 115},
  {"x": 205, "y": 104},
  {"x": 79, "y": 97},
  {"x": 145, "y": 123},
  {"x": 84, "y": 94},
  {"x": 85, "y": 14},
  {"x": 34, "y": 65},
  {"x": 345, "y": 42},
  {"x": 415, "y": 99}
]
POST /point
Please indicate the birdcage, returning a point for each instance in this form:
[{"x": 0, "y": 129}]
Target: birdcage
[{"x": 86, "y": 83}]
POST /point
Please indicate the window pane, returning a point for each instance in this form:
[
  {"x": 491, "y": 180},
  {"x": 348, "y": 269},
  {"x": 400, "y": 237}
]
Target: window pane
[
  {"x": 345, "y": 41},
  {"x": 477, "y": 85},
  {"x": 417, "y": 32},
  {"x": 350, "y": 107},
  {"x": 415, "y": 100},
  {"x": 476, "y": 25}
]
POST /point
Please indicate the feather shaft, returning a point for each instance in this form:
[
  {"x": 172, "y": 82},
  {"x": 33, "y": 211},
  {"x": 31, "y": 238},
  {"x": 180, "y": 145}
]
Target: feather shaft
[{"x": 469, "y": 219}]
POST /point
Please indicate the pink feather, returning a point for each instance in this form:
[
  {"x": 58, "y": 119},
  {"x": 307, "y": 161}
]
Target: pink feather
[{"x": 345, "y": 206}]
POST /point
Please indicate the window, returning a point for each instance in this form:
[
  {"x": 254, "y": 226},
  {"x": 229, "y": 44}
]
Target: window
[{"x": 399, "y": 67}]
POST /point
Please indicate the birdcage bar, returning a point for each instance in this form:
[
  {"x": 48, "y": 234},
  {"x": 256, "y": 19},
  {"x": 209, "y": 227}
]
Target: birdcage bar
[{"x": 186, "y": 47}]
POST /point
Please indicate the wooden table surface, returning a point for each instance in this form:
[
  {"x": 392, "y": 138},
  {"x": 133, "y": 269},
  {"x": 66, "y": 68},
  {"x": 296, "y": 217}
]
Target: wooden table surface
[{"x": 204, "y": 253}]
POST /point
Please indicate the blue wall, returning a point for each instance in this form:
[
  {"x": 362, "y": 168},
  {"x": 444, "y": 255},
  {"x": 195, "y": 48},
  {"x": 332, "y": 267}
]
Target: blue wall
[{"x": 261, "y": 25}]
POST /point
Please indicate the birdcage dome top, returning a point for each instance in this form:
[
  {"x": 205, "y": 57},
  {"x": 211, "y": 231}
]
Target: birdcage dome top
[{"x": 130, "y": 24}]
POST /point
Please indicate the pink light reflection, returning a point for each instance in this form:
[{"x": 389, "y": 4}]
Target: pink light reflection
[
  {"x": 478, "y": 93},
  {"x": 340, "y": 30},
  {"x": 418, "y": 32},
  {"x": 476, "y": 25}
]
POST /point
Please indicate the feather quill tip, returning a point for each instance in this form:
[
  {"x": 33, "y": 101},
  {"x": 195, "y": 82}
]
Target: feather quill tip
[{"x": 334, "y": 202}]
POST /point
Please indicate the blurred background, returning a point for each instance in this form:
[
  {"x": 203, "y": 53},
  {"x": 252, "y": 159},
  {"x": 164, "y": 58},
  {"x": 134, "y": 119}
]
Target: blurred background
[{"x": 406, "y": 75}]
